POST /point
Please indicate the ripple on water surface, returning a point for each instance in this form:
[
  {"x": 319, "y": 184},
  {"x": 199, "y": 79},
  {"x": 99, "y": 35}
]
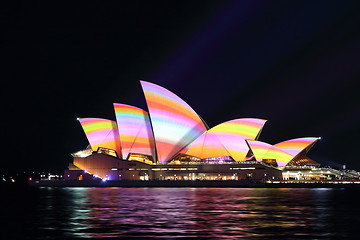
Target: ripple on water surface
[{"x": 218, "y": 213}]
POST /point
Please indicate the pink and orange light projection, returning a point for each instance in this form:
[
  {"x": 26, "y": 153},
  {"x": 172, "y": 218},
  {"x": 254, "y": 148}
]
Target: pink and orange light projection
[
  {"x": 175, "y": 124},
  {"x": 263, "y": 150},
  {"x": 134, "y": 130},
  {"x": 295, "y": 146},
  {"x": 283, "y": 152},
  {"x": 101, "y": 133},
  {"x": 227, "y": 139}
]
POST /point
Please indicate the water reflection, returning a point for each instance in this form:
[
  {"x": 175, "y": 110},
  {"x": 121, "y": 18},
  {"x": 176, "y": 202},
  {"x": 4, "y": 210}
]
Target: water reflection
[{"x": 195, "y": 213}]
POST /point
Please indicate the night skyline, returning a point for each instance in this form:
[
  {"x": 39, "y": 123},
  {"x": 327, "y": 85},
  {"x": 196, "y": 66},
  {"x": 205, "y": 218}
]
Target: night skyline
[{"x": 291, "y": 63}]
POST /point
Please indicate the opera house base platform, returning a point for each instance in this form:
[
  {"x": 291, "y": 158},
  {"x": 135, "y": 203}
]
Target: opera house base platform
[
  {"x": 116, "y": 172},
  {"x": 105, "y": 167}
]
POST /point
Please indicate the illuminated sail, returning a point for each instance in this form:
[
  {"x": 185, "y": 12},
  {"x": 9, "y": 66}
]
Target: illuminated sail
[
  {"x": 207, "y": 146},
  {"x": 175, "y": 124},
  {"x": 101, "y": 133},
  {"x": 135, "y": 130},
  {"x": 263, "y": 150},
  {"x": 295, "y": 146},
  {"x": 227, "y": 138}
]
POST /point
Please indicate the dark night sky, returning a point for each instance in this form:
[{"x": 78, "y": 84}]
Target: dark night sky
[{"x": 294, "y": 63}]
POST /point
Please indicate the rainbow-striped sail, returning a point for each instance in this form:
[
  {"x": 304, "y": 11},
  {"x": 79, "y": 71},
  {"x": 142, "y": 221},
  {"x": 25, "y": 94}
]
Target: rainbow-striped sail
[
  {"x": 101, "y": 133},
  {"x": 227, "y": 139},
  {"x": 175, "y": 124},
  {"x": 135, "y": 130}
]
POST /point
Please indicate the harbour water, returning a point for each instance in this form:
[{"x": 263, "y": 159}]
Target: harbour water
[{"x": 180, "y": 213}]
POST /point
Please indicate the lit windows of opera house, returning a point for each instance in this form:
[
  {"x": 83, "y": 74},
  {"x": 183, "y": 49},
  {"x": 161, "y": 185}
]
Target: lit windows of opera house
[{"x": 171, "y": 141}]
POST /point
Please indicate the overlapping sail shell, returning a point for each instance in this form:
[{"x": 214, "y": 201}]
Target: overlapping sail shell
[
  {"x": 295, "y": 146},
  {"x": 227, "y": 139},
  {"x": 101, "y": 133},
  {"x": 135, "y": 130},
  {"x": 283, "y": 152},
  {"x": 175, "y": 124}
]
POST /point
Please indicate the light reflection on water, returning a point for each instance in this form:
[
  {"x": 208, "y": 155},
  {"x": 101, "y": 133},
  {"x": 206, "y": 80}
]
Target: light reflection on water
[{"x": 215, "y": 213}]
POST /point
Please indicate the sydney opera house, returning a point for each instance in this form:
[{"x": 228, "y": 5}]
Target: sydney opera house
[{"x": 171, "y": 141}]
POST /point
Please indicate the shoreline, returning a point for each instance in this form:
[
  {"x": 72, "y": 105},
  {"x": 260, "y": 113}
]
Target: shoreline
[{"x": 196, "y": 184}]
